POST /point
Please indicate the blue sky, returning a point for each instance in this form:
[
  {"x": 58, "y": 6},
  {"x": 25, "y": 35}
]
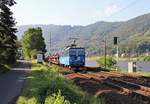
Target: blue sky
[{"x": 77, "y": 12}]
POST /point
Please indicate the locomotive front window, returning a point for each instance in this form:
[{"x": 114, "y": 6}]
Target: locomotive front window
[
  {"x": 77, "y": 52},
  {"x": 72, "y": 52}
]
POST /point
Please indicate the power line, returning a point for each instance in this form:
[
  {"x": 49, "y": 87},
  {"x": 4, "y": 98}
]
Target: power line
[{"x": 124, "y": 8}]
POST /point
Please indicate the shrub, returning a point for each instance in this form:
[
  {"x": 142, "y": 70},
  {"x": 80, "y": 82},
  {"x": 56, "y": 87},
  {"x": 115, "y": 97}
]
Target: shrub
[
  {"x": 146, "y": 58},
  {"x": 110, "y": 62},
  {"x": 56, "y": 99},
  {"x": 22, "y": 100}
]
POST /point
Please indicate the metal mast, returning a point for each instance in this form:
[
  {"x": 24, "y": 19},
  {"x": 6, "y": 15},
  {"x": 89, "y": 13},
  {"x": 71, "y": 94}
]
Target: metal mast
[
  {"x": 105, "y": 51},
  {"x": 50, "y": 43}
]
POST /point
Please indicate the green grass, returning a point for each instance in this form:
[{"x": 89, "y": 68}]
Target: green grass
[
  {"x": 144, "y": 58},
  {"x": 45, "y": 85},
  {"x": 141, "y": 73}
]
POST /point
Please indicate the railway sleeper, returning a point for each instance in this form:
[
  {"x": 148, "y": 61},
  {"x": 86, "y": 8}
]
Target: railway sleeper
[
  {"x": 84, "y": 75},
  {"x": 124, "y": 83},
  {"x": 113, "y": 85},
  {"x": 146, "y": 77},
  {"x": 133, "y": 94},
  {"x": 134, "y": 85}
]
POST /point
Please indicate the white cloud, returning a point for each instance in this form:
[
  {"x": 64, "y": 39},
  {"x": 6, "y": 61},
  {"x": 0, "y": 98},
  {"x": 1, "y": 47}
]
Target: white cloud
[{"x": 109, "y": 10}]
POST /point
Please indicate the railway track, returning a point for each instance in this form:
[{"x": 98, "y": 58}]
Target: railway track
[
  {"x": 122, "y": 81},
  {"x": 125, "y": 87},
  {"x": 137, "y": 88},
  {"x": 145, "y": 81}
]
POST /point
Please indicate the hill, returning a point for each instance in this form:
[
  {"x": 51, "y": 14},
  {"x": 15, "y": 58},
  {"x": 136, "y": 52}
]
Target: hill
[{"x": 134, "y": 35}]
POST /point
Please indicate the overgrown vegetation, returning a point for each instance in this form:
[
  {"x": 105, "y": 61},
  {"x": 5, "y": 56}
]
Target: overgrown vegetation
[
  {"x": 45, "y": 85},
  {"x": 8, "y": 47}
]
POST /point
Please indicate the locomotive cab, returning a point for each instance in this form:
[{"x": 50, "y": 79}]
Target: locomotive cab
[
  {"x": 73, "y": 57},
  {"x": 77, "y": 56}
]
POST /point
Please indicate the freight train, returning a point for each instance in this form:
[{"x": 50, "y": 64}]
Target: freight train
[{"x": 71, "y": 57}]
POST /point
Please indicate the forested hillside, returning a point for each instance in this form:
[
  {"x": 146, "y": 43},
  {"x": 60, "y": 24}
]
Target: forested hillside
[{"x": 134, "y": 35}]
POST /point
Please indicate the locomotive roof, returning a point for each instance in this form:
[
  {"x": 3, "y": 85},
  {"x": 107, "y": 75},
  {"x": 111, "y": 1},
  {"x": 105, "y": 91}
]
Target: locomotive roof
[{"x": 74, "y": 48}]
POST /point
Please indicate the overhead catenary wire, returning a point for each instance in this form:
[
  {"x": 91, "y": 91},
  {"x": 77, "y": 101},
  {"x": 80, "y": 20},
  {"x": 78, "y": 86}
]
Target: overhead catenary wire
[{"x": 124, "y": 8}]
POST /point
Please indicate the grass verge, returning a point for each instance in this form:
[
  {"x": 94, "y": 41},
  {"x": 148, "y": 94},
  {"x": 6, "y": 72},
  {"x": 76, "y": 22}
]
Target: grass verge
[
  {"x": 45, "y": 85},
  {"x": 141, "y": 73},
  {"x": 6, "y": 67}
]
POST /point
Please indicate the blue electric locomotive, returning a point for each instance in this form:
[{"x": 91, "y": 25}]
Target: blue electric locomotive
[{"x": 73, "y": 57}]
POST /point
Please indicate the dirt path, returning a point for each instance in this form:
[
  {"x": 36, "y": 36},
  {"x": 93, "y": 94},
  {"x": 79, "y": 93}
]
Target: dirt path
[{"x": 12, "y": 82}]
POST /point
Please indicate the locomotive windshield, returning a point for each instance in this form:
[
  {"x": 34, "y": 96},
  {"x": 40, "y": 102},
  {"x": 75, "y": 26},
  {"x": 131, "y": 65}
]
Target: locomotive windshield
[{"x": 77, "y": 51}]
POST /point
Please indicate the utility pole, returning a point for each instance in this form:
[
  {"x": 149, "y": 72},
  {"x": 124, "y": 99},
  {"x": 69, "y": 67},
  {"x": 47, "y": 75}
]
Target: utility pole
[
  {"x": 50, "y": 43},
  {"x": 117, "y": 56},
  {"x": 117, "y": 51},
  {"x": 105, "y": 51}
]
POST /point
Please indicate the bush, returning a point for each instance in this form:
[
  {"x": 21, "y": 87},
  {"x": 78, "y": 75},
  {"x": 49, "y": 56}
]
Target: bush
[
  {"x": 110, "y": 61},
  {"x": 22, "y": 100},
  {"x": 56, "y": 99},
  {"x": 145, "y": 58}
]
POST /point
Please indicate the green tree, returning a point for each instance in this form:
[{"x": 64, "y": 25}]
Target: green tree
[
  {"x": 8, "y": 38},
  {"x": 33, "y": 41}
]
